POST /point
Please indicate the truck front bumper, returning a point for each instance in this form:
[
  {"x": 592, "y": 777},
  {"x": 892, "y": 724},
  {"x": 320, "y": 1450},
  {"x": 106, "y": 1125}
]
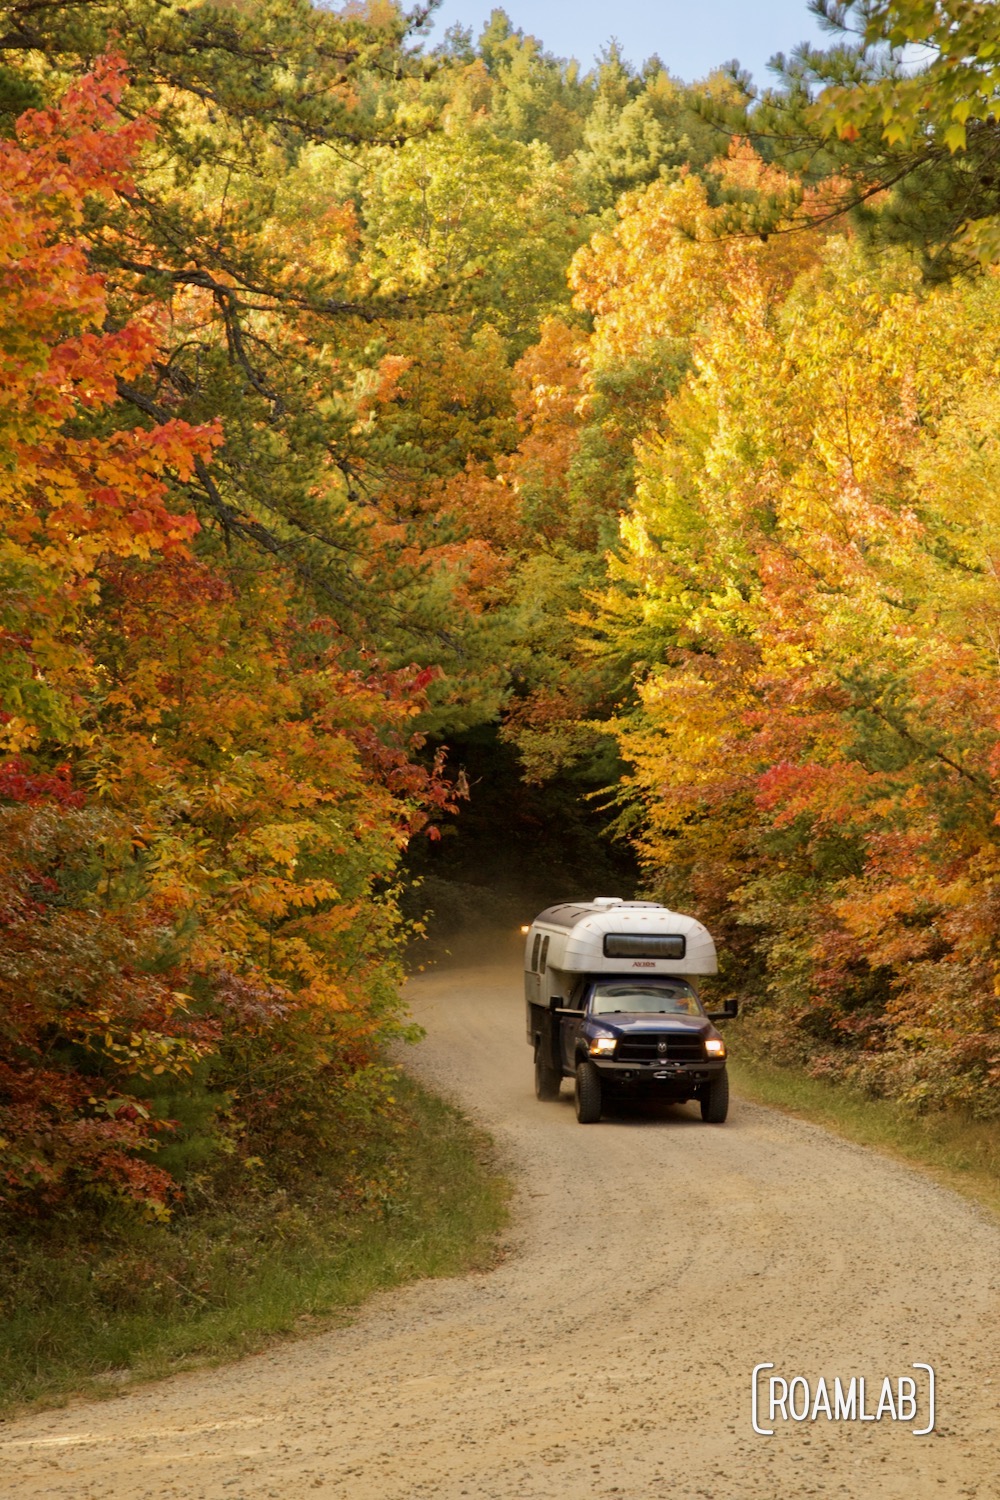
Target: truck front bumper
[{"x": 660, "y": 1076}]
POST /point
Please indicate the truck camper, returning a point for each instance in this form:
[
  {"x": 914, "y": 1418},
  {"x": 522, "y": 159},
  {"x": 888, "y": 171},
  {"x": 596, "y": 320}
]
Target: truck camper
[{"x": 612, "y": 1002}]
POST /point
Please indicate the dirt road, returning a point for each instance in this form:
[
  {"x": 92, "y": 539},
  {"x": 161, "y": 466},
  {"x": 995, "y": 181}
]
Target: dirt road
[{"x": 654, "y": 1263}]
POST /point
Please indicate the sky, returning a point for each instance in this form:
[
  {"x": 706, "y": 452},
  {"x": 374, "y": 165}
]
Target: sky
[{"x": 690, "y": 36}]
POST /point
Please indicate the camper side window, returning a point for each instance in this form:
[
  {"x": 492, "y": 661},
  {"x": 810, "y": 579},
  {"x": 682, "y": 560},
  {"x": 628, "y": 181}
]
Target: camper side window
[
  {"x": 544, "y": 956},
  {"x": 534, "y": 953}
]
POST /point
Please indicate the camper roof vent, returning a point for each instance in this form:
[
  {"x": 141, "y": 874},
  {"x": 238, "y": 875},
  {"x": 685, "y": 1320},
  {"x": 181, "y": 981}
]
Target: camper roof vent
[{"x": 607, "y": 901}]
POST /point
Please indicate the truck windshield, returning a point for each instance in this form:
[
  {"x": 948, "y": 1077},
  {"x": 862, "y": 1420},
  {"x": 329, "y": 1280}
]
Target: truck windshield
[{"x": 635, "y": 997}]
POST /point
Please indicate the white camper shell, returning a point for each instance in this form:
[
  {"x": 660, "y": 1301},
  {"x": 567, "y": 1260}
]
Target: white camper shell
[{"x": 609, "y": 936}]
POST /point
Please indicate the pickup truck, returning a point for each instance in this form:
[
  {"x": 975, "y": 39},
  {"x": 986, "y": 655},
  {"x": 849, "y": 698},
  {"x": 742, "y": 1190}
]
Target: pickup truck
[{"x": 608, "y": 1006}]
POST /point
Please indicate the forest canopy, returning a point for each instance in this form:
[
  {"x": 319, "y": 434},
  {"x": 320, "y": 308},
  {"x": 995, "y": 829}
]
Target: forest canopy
[{"x": 356, "y": 394}]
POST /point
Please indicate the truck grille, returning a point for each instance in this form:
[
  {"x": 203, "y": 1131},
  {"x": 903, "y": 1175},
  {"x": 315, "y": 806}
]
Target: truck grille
[{"x": 680, "y": 1047}]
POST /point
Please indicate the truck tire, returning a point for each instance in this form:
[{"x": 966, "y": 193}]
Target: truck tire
[
  {"x": 715, "y": 1099},
  {"x": 588, "y": 1094},
  {"x": 547, "y": 1081}
]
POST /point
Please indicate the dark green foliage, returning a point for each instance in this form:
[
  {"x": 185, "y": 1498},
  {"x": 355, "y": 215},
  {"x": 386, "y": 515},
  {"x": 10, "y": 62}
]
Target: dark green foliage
[
  {"x": 915, "y": 193},
  {"x": 17, "y": 93}
]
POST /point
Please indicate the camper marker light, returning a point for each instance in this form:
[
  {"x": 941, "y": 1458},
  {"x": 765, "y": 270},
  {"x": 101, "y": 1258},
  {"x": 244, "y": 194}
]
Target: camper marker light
[
  {"x": 525, "y": 929},
  {"x": 715, "y": 1046},
  {"x": 602, "y": 1046}
]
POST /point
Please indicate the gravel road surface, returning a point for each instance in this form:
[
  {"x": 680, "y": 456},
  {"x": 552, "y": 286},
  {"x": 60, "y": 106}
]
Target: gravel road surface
[{"x": 653, "y": 1263}]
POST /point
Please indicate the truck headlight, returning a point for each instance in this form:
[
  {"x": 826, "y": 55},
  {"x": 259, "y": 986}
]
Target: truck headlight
[
  {"x": 602, "y": 1046},
  {"x": 715, "y": 1046}
]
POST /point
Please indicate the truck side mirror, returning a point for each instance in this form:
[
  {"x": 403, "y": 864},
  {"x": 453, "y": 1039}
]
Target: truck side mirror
[{"x": 730, "y": 1008}]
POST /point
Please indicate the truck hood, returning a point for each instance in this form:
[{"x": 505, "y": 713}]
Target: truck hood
[{"x": 627, "y": 1024}]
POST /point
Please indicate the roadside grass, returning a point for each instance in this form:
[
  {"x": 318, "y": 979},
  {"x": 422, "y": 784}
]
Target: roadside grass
[
  {"x": 958, "y": 1151},
  {"x": 100, "y": 1307}
]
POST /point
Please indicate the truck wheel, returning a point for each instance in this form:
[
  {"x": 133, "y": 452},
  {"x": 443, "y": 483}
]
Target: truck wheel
[
  {"x": 588, "y": 1094},
  {"x": 547, "y": 1080},
  {"x": 715, "y": 1099}
]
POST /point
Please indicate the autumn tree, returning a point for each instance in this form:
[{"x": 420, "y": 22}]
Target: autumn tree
[
  {"x": 204, "y": 796},
  {"x": 278, "y": 320},
  {"x": 803, "y": 595},
  {"x": 70, "y": 505}
]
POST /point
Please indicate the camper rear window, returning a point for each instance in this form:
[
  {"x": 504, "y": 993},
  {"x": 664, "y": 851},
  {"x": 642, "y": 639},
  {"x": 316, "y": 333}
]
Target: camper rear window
[{"x": 642, "y": 945}]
